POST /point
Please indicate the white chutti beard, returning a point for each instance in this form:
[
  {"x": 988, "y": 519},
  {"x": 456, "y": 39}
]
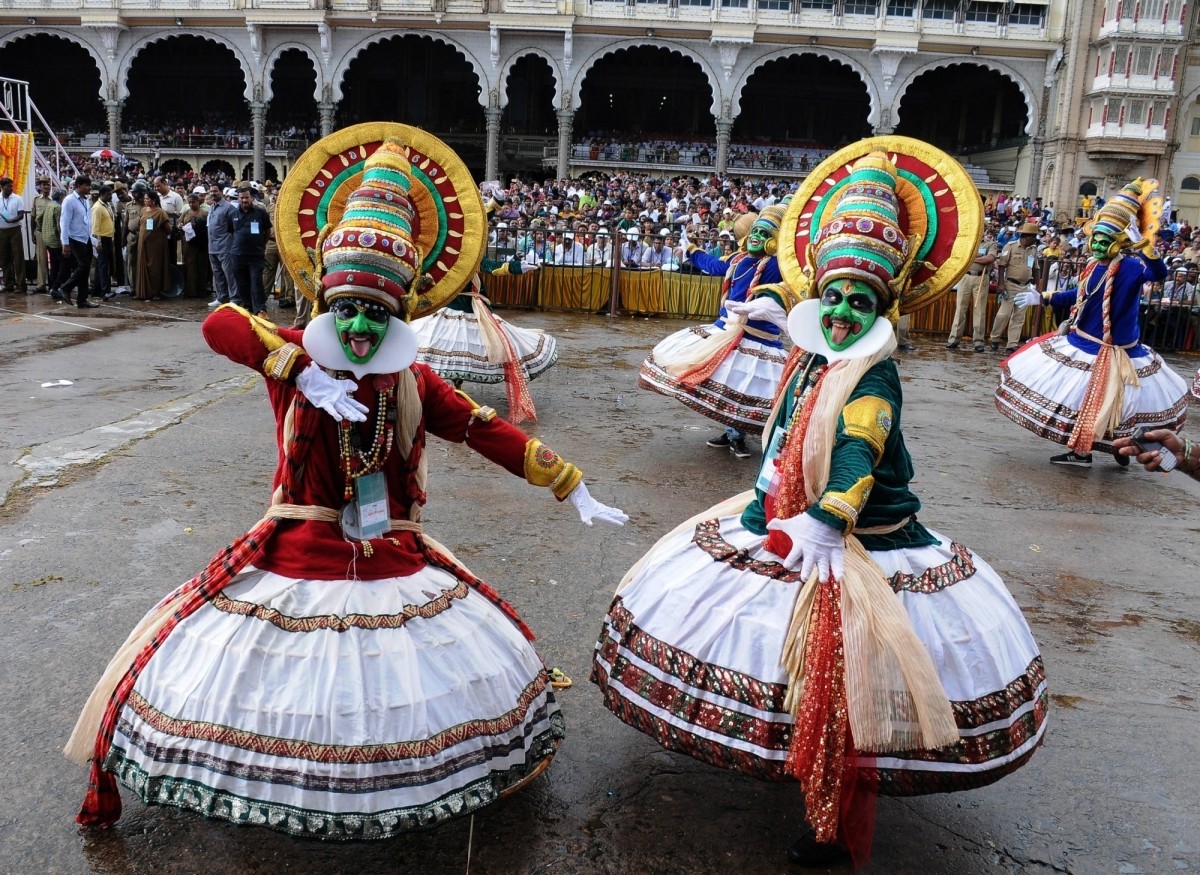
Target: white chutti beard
[
  {"x": 396, "y": 353},
  {"x": 804, "y": 327}
]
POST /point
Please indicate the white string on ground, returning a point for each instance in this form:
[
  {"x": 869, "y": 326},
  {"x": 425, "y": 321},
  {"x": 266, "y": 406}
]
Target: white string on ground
[
  {"x": 50, "y": 319},
  {"x": 470, "y": 838}
]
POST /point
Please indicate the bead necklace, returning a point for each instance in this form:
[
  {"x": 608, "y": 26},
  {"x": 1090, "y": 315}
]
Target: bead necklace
[{"x": 355, "y": 462}]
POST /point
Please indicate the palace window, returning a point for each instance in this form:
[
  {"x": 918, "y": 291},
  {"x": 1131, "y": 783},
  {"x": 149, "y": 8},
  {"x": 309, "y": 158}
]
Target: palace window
[
  {"x": 1190, "y": 183},
  {"x": 941, "y": 10},
  {"x": 811, "y": 4},
  {"x": 1120, "y": 66},
  {"x": 775, "y": 5},
  {"x": 1196, "y": 126},
  {"x": 1028, "y": 14},
  {"x": 1137, "y": 112},
  {"x": 905, "y": 8},
  {"x": 1143, "y": 62},
  {"x": 736, "y": 4},
  {"x": 862, "y": 7},
  {"x": 1150, "y": 10},
  {"x": 985, "y": 12}
]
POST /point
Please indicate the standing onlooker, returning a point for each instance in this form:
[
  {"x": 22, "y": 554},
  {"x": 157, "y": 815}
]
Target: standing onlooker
[
  {"x": 972, "y": 298},
  {"x": 133, "y": 227},
  {"x": 103, "y": 229},
  {"x": 75, "y": 229},
  {"x": 153, "y": 250},
  {"x": 220, "y": 245},
  {"x": 120, "y": 200},
  {"x": 193, "y": 225},
  {"x": 173, "y": 204},
  {"x": 12, "y": 248},
  {"x": 52, "y": 239},
  {"x": 1015, "y": 271},
  {"x": 41, "y": 202},
  {"x": 250, "y": 225}
]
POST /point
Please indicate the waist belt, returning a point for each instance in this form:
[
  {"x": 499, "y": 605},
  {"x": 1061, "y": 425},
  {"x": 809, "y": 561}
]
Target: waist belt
[
  {"x": 330, "y": 515},
  {"x": 1087, "y": 336},
  {"x": 883, "y": 530}
]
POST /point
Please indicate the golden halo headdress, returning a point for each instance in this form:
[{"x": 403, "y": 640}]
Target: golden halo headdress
[
  {"x": 938, "y": 216},
  {"x": 432, "y": 204}
]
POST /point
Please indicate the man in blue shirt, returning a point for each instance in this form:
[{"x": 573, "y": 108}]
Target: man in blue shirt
[
  {"x": 220, "y": 244},
  {"x": 75, "y": 226},
  {"x": 249, "y": 225}
]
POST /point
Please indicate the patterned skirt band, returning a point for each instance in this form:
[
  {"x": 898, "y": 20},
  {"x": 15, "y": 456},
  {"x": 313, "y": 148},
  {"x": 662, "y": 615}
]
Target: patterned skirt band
[{"x": 330, "y": 515}]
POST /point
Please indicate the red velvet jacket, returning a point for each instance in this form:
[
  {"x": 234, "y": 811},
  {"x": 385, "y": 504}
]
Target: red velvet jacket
[{"x": 317, "y": 550}]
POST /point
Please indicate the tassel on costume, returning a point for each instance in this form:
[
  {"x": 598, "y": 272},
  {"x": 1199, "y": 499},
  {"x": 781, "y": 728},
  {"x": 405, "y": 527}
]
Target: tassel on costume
[{"x": 102, "y": 803}]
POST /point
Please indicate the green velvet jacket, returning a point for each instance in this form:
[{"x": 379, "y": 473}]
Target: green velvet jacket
[{"x": 870, "y": 467}]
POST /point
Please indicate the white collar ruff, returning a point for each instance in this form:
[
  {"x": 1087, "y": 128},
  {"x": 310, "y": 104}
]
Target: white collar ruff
[
  {"x": 396, "y": 353},
  {"x": 804, "y": 327}
]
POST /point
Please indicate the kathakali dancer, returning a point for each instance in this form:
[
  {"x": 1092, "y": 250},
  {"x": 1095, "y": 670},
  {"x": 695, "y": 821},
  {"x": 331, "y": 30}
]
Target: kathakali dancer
[
  {"x": 466, "y": 342},
  {"x": 336, "y": 673},
  {"x": 729, "y": 370},
  {"x": 812, "y": 628},
  {"x": 1094, "y": 380}
]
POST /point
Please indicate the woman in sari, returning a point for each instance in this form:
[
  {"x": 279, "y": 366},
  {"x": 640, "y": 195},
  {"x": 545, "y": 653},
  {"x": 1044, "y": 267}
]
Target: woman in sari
[{"x": 153, "y": 264}]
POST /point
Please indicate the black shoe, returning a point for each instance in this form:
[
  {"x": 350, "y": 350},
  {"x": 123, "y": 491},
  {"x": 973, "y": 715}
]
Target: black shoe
[
  {"x": 979, "y": 347},
  {"x": 287, "y": 304},
  {"x": 995, "y": 347},
  {"x": 907, "y": 347},
  {"x": 951, "y": 344},
  {"x": 1072, "y": 458},
  {"x": 86, "y": 305},
  {"x": 1009, "y": 350},
  {"x": 1122, "y": 460},
  {"x": 57, "y": 295},
  {"x": 108, "y": 296},
  {"x": 738, "y": 447},
  {"x": 721, "y": 441},
  {"x": 807, "y": 851}
]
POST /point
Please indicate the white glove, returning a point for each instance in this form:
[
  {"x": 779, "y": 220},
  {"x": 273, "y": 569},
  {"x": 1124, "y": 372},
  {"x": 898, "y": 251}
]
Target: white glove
[
  {"x": 762, "y": 307},
  {"x": 821, "y": 546},
  {"x": 683, "y": 239},
  {"x": 1028, "y": 298},
  {"x": 332, "y": 396},
  {"x": 530, "y": 267},
  {"x": 590, "y": 509}
]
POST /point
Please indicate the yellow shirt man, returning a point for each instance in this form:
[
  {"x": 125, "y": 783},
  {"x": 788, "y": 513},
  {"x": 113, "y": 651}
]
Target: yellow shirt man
[{"x": 102, "y": 220}]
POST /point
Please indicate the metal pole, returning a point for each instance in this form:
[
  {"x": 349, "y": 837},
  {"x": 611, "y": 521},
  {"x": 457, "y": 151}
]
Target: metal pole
[{"x": 615, "y": 284}]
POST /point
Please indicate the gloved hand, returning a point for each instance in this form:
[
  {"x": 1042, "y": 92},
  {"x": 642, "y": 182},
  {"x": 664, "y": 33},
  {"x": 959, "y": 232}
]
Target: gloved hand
[
  {"x": 684, "y": 243},
  {"x": 762, "y": 307},
  {"x": 590, "y": 509},
  {"x": 820, "y": 546},
  {"x": 530, "y": 267},
  {"x": 1027, "y": 298},
  {"x": 331, "y": 395}
]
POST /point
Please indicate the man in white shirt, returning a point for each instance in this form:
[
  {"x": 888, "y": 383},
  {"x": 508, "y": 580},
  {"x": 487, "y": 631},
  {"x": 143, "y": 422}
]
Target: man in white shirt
[
  {"x": 600, "y": 253},
  {"x": 632, "y": 250},
  {"x": 568, "y": 252},
  {"x": 657, "y": 255},
  {"x": 12, "y": 246}
]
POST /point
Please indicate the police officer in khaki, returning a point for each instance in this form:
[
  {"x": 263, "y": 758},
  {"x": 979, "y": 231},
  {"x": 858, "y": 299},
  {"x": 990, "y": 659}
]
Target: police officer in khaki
[
  {"x": 41, "y": 202},
  {"x": 1014, "y": 271},
  {"x": 973, "y": 295}
]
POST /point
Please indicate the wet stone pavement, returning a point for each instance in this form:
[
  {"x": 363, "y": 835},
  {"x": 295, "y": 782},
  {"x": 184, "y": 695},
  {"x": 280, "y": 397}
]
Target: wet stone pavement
[{"x": 122, "y": 484}]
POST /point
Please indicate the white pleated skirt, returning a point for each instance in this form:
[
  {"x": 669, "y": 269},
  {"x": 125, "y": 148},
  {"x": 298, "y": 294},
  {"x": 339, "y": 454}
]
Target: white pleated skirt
[
  {"x": 338, "y": 709},
  {"x": 740, "y": 391},
  {"x": 450, "y": 342},
  {"x": 689, "y": 653},
  {"x": 1042, "y": 387}
]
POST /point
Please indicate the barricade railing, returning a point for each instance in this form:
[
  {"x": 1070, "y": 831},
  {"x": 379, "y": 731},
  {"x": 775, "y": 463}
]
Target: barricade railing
[{"x": 1167, "y": 325}]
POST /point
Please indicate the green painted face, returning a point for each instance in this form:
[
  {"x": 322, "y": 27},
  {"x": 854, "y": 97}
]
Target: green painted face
[
  {"x": 1102, "y": 245},
  {"x": 361, "y": 325},
  {"x": 761, "y": 234},
  {"x": 848, "y": 310}
]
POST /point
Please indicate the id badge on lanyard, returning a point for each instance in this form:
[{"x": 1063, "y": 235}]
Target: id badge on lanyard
[{"x": 367, "y": 516}]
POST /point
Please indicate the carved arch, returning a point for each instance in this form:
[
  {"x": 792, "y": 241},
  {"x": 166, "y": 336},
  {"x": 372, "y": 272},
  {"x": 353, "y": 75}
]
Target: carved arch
[
  {"x": 714, "y": 81},
  {"x": 102, "y": 68},
  {"x": 863, "y": 74},
  {"x": 511, "y": 61},
  {"x": 273, "y": 57},
  {"x": 1027, "y": 92},
  {"x": 343, "y": 66},
  {"x": 130, "y": 56}
]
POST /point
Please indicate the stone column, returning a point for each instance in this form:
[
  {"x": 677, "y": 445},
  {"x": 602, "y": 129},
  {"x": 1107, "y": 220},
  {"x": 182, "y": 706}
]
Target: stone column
[
  {"x": 258, "y": 116},
  {"x": 492, "y": 163},
  {"x": 565, "y": 118},
  {"x": 113, "y": 108},
  {"x": 326, "y": 111},
  {"x": 724, "y": 132}
]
